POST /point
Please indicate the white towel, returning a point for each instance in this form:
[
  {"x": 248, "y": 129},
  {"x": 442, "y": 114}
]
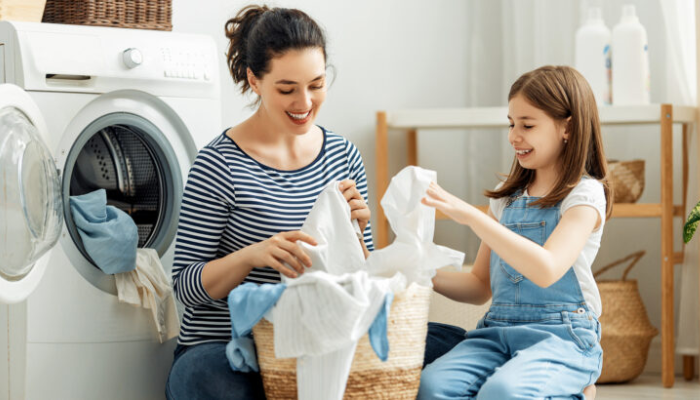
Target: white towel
[{"x": 148, "y": 286}]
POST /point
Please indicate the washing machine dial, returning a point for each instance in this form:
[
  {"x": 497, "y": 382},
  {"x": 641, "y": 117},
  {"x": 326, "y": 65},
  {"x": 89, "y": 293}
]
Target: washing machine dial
[{"x": 132, "y": 57}]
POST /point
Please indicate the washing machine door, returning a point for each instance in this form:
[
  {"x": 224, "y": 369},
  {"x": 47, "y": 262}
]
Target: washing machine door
[{"x": 31, "y": 211}]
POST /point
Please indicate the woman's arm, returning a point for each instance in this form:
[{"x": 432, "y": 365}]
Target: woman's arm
[
  {"x": 543, "y": 265},
  {"x": 220, "y": 276}
]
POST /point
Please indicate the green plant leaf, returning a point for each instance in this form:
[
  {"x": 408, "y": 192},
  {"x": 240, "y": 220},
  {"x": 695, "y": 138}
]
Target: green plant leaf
[{"x": 691, "y": 225}]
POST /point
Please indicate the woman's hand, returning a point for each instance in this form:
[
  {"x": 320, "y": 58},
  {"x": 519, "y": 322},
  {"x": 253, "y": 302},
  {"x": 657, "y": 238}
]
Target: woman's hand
[
  {"x": 449, "y": 204},
  {"x": 279, "y": 249},
  {"x": 358, "y": 208}
]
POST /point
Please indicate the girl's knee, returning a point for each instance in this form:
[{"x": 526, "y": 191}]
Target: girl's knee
[
  {"x": 430, "y": 383},
  {"x": 498, "y": 387}
]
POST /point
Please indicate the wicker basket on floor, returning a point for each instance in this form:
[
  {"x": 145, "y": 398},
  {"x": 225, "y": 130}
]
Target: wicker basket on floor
[
  {"x": 627, "y": 179},
  {"x": 134, "y": 14},
  {"x": 626, "y": 329},
  {"x": 370, "y": 378}
]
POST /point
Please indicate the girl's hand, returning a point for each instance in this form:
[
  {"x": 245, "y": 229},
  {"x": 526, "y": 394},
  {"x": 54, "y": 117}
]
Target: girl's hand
[
  {"x": 358, "y": 208},
  {"x": 450, "y": 205},
  {"x": 279, "y": 249}
]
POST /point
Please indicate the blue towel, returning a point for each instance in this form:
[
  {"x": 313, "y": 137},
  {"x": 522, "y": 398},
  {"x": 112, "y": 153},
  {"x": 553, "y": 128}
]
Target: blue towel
[
  {"x": 247, "y": 304},
  {"x": 378, "y": 330},
  {"x": 109, "y": 234}
]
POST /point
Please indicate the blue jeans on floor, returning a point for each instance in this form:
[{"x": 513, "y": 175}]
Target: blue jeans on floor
[{"x": 202, "y": 372}]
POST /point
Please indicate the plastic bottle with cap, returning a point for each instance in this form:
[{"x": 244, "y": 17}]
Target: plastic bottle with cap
[
  {"x": 630, "y": 60},
  {"x": 592, "y": 56}
]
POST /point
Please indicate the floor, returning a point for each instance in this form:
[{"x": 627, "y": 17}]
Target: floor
[{"x": 649, "y": 387}]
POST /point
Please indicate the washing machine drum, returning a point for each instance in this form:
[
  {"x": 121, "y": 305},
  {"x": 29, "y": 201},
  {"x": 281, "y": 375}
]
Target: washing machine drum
[{"x": 119, "y": 160}]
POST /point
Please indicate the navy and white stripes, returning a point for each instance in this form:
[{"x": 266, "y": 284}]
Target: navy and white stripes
[{"x": 231, "y": 201}]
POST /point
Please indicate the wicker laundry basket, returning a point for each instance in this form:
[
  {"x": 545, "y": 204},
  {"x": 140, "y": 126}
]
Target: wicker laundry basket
[
  {"x": 134, "y": 14},
  {"x": 627, "y": 179},
  {"x": 626, "y": 329},
  {"x": 370, "y": 378}
]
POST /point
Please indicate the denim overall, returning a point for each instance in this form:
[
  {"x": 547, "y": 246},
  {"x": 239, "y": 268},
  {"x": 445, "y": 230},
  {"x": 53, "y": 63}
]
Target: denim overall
[{"x": 533, "y": 342}]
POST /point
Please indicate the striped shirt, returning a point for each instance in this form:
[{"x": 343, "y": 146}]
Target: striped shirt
[{"x": 232, "y": 201}]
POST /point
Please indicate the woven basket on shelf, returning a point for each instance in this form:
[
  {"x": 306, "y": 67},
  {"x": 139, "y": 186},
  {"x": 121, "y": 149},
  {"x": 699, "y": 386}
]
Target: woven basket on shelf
[
  {"x": 626, "y": 329},
  {"x": 22, "y": 10},
  {"x": 627, "y": 179},
  {"x": 370, "y": 378},
  {"x": 134, "y": 14}
]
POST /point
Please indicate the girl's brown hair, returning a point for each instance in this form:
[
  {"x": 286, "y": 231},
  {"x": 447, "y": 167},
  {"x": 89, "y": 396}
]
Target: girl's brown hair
[
  {"x": 562, "y": 92},
  {"x": 259, "y": 33}
]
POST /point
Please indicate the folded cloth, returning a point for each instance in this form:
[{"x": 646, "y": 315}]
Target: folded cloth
[
  {"x": 247, "y": 304},
  {"x": 413, "y": 252},
  {"x": 148, "y": 286},
  {"x": 109, "y": 234}
]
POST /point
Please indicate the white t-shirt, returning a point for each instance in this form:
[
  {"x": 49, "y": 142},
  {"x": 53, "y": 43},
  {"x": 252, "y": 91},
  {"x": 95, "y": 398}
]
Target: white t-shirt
[{"x": 588, "y": 192}]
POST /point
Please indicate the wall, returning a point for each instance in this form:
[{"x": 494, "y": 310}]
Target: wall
[{"x": 419, "y": 54}]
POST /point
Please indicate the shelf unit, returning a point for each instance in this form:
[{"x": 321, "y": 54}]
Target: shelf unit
[{"x": 664, "y": 115}]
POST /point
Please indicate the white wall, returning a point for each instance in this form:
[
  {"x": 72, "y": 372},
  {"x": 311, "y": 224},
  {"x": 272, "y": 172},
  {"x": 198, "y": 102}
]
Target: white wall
[{"x": 413, "y": 53}]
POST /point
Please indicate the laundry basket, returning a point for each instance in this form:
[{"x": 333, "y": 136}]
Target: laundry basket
[
  {"x": 627, "y": 179},
  {"x": 135, "y": 14},
  {"x": 626, "y": 329},
  {"x": 370, "y": 378}
]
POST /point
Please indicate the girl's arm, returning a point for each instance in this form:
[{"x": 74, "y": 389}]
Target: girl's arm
[
  {"x": 543, "y": 265},
  {"x": 470, "y": 287}
]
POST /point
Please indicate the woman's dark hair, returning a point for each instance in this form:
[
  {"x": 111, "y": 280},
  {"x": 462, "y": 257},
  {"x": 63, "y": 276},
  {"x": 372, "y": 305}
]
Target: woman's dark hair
[{"x": 258, "y": 34}]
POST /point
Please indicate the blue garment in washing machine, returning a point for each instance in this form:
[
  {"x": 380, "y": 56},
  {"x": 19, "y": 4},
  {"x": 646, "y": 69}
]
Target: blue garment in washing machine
[{"x": 109, "y": 234}]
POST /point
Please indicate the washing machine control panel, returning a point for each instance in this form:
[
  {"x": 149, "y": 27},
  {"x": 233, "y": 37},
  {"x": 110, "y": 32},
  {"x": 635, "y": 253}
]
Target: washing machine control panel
[
  {"x": 185, "y": 64},
  {"x": 132, "y": 57}
]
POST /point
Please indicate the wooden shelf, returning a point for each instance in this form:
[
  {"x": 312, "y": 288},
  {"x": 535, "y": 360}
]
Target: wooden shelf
[
  {"x": 497, "y": 117},
  {"x": 664, "y": 115}
]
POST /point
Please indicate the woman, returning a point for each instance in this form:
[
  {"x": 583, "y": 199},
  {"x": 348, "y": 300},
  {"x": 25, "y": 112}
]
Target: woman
[{"x": 249, "y": 191}]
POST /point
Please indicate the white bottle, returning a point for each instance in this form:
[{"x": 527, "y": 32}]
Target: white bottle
[
  {"x": 630, "y": 60},
  {"x": 592, "y": 58}
]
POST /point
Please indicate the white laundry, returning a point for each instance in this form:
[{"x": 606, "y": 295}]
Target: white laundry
[
  {"x": 149, "y": 286},
  {"x": 322, "y": 314},
  {"x": 413, "y": 252},
  {"x": 338, "y": 249},
  {"x": 319, "y": 313},
  {"x": 320, "y": 318}
]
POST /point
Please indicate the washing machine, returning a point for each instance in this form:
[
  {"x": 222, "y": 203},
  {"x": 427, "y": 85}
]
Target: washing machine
[{"x": 86, "y": 108}]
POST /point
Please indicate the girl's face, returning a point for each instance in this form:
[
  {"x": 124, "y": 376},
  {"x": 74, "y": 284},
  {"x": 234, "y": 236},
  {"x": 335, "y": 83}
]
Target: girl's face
[
  {"x": 537, "y": 139},
  {"x": 293, "y": 91}
]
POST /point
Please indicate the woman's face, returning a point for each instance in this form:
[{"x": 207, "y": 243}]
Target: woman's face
[
  {"x": 293, "y": 91},
  {"x": 537, "y": 138}
]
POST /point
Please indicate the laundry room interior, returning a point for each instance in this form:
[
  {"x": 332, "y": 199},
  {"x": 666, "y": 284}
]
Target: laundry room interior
[{"x": 173, "y": 225}]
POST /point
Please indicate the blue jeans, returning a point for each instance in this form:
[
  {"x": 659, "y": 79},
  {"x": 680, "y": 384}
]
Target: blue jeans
[{"x": 202, "y": 371}]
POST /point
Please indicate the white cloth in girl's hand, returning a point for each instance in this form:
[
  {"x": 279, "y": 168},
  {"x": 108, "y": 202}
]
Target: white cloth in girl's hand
[{"x": 413, "y": 252}]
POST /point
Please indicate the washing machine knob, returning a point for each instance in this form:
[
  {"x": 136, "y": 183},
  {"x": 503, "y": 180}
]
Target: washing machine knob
[{"x": 132, "y": 57}]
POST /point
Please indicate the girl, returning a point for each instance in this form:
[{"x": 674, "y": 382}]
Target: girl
[
  {"x": 540, "y": 338},
  {"x": 249, "y": 191}
]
